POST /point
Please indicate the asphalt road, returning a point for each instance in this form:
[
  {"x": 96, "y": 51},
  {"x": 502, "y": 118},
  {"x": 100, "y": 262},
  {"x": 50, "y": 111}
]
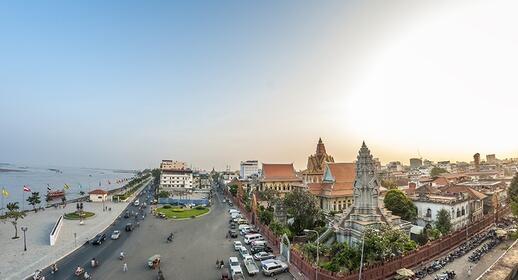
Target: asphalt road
[{"x": 197, "y": 244}]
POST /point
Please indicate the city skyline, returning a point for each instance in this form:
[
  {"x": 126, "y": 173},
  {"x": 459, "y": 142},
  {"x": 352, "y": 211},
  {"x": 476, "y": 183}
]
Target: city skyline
[{"x": 125, "y": 85}]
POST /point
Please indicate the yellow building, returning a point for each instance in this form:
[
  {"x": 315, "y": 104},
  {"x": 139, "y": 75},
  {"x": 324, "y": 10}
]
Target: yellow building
[
  {"x": 280, "y": 177},
  {"x": 335, "y": 189}
]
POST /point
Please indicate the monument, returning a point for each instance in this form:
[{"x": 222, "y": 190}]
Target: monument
[
  {"x": 316, "y": 164},
  {"x": 367, "y": 212}
]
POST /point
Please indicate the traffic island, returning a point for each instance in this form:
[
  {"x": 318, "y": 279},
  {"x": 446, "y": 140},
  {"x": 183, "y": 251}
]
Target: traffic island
[
  {"x": 179, "y": 212},
  {"x": 76, "y": 215}
]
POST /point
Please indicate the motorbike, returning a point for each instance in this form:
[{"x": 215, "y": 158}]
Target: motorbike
[
  {"x": 79, "y": 271},
  {"x": 38, "y": 275}
]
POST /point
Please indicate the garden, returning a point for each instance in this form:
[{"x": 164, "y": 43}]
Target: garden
[
  {"x": 182, "y": 212},
  {"x": 76, "y": 215}
]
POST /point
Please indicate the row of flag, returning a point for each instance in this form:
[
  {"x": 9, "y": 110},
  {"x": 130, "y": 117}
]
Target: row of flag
[{"x": 26, "y": 188}]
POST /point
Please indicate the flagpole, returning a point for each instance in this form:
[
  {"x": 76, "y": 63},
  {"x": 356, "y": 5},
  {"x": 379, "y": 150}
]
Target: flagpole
[{"x": 23, "y": 199}]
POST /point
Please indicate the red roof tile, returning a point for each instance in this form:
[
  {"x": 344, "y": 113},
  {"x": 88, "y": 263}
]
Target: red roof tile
[
  {"x": 279, "y": 172},
  {"x": 98, "y": 191}
]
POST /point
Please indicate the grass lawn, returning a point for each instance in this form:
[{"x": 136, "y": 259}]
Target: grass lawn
[
  {"x": 75, "y": 215},
  {"x": 181, "y": 213}
]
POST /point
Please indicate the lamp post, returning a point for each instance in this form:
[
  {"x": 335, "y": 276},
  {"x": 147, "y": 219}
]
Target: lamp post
[
  {"x": 24, "y": 229},
  {"x": 318, "y": 237}
]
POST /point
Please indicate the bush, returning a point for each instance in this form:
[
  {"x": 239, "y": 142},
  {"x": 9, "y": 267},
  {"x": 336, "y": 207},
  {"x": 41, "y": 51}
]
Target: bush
[
  {"x": 167, "y": 206},
  {"x": 199, "y": 207}
]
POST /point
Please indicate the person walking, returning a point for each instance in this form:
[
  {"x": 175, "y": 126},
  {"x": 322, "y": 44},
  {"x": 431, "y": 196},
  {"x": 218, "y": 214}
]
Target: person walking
[
  {"x": 469, "y": 270},
  {"x": 125, "y": 267}
]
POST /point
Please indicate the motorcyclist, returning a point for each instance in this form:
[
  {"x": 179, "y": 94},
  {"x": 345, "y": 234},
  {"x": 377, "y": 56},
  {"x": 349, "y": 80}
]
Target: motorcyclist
[
  {"x": 54, "y": 267},
  {"x": 121, "y": 255},
  {"x": 86, "y": 275}
]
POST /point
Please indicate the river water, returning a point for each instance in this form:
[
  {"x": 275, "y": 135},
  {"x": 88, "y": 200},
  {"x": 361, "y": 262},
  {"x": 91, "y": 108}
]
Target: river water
[{"x": 39, "y": 178}]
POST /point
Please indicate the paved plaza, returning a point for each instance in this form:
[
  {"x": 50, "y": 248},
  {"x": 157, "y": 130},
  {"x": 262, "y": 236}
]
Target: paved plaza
[{"x": 17, "y": 263}]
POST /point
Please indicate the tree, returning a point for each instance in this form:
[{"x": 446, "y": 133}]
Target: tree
[
  {"x": 233, "y": 189},
  {"x": 14, "y": 214},
  {"x": 64, "y": 200},
  {"x": 163, "y": 194},
  {"x": 34, "y": 199},
  {"x": 443, "y": 223},
  {"x": 156, "y": 176},
  {"x": 389, "y": 183},
  {"x": 269, "y": 195},
  {"x": 512, "y": 194},
  {"x": 303, "y": 207},
  {"x": 400, "y": 204},
  {"x": 265, "y": 216},
  {"x": 436, "y": 171}
]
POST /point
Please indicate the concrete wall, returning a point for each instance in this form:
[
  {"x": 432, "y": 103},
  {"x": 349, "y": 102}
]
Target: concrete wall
[{"x": 55, "y": 231}]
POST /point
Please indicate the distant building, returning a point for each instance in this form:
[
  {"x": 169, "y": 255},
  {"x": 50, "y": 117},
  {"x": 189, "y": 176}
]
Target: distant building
[
  {"x": 316, "y": 163},
  {"x": 280, "y": 177},
  {"x": 98, "y": 195},
  {"x": 248, "y": 168},
  {"x": 172, "y": 164},
  {"x": 176, "y": 180},
  {"x": 415, "y": 163},
  {"x": 491, "y": 158}
]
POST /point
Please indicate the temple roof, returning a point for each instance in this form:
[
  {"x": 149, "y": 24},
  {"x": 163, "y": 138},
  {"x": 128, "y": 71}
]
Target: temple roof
[
  {"x": 337, "y": 181},
  {"x": 316, "y": 161},
  {"x": 279, "y": 172},
  {"x": 474, "y": 194}
]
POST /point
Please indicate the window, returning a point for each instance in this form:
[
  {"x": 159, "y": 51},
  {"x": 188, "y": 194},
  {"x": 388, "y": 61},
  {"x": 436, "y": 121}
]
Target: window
[
  {"x": 458, "y": 213},
  {"x": 463, "y": 212}
]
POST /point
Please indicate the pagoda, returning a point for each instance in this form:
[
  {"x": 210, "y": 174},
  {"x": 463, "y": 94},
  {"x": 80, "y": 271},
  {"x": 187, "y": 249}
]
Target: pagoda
[
  {"x": 316, "y": 164},
  {"x": 367, "y": 210}
]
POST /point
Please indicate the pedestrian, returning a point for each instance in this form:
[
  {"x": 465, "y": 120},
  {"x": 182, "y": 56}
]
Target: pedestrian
[
  {"x": 469, "y": 270},
  {"x": 125, "y": 267}
]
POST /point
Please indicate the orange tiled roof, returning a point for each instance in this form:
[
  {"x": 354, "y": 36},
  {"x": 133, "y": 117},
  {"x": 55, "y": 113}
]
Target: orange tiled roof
[
  {"x": 342, "y": 171},
  {"x": 98, "y": 191},
  {"x": 442, "y": 181},
  {"x": 464, "y": 189},
  {"x": 279, "y": 172}
]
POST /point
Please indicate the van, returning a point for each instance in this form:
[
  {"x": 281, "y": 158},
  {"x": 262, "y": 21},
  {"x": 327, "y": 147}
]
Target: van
[
  {"x": 272, "y": 267},
  {"x": 136, "y": 203},
  {"x": 253, "y": 237},
  {"x": 230, "y": 211},
  {"x": 235, "y": 215}
]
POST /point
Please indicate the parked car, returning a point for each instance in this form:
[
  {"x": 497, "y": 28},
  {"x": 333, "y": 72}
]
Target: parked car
[
  {"x": 243, "y": 251},
  {"x": 116, "y": 234},
  {"x": 272, "y": 267},
  {"x": 126, "y": 214},
  {"x": 129, "y": 227},
  {"x": 250, "y": 265},
  {"x": 261, "y": 256},
  {"x": 233, "y": 233},
  {"x": 237, "y": 244},
  {"x": 233, "y": 226},
  {"x": 98, "y": 239},
  {"x": 257, "y": 249},
  {"x": 233, "y": 262}
]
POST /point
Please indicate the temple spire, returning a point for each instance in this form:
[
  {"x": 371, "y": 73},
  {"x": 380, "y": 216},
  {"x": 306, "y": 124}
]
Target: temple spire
[{"x": 321, "y": 149}]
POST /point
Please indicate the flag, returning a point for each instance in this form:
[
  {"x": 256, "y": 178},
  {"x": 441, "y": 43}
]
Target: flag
[
  {"x": 26, "y": 189},
  {"x": 99, "y": 183},
  {"x": 48, "y": 187},
  {"x": 66, "y": 187},
  {"x": 5, "y": 193}
]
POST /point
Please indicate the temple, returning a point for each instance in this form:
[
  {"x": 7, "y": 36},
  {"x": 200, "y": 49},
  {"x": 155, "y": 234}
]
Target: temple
[
  {"x": 316, "y": 164},
  {"x": 367, "y": 210}
]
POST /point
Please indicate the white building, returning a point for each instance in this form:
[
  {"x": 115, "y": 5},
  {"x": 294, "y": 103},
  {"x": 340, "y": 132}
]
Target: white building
[
  {"x": 172, "y": 164},
  {"x": 98, "y": 195},
  {"x": 429, "y": 205},
  {"x": 248, "y": 168},
  {"x": 171, "y": 180}
]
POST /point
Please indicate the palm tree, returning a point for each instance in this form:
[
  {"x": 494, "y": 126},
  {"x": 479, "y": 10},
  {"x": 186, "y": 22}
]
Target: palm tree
[
  {"x": 34, "y": 199},
  {"x": 14, "y": 214}
]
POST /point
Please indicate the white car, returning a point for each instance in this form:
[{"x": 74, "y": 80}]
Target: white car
[
  {"x": 233, "y": 263},
  {"x": 272, "y": 267},
  {"x": 116, "y": 234},
  {"x": 243, "y": 251},
  {"x": 237, "y": 245}
]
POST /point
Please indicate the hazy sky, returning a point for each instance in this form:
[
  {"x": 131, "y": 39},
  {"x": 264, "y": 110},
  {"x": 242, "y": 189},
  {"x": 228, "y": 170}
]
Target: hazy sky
[{"x": 124, "y": 84}]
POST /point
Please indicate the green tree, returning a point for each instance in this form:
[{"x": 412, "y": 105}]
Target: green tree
[
  {"x": 389, "y": 183},
  {"x": 271, "y": 196},
  {"x": 34, "y": 199},
  {"x": 436, "y": 171},
  {"x": 156, "y": 176},
  {"x": 163, "y": 194},
  {"x": 443, "y": 222},
  {"x": 265, "y": 216},
  {"x": 14, "y": 214},
  {"x": 233, "y": 190},
  {"x": 303, "y": 207},
  {"x": 400, "y": 204},
  {"x": 512, "y": 194}
]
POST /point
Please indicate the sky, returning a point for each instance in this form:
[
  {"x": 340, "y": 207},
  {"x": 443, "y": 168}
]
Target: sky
[{"x": 124, "y": 84}]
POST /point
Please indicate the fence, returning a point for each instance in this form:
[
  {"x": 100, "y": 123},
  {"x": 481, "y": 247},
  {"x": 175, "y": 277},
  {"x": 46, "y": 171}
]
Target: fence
[{"x": 379, "y": 271}]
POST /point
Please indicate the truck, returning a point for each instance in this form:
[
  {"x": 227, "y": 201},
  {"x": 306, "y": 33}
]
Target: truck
[{"x": 251, "y": 266}]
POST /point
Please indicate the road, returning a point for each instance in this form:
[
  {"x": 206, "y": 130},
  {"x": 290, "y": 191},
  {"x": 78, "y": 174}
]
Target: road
[{"x": 197, "y": 244}]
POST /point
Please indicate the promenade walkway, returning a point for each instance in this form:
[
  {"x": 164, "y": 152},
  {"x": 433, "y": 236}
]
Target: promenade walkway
[{"x": 17, "y": 263}]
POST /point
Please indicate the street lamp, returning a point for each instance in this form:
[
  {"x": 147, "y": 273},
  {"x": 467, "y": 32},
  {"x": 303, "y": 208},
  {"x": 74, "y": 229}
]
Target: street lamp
[
  {"x": 24, "y": 229},
  {"x": 318, "y": 237}
]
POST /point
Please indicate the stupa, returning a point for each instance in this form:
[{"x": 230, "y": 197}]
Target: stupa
[{"x": 367, "y": 210}]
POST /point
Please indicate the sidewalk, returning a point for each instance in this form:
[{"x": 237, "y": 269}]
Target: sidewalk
[{"x": 16, "y": 264}]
